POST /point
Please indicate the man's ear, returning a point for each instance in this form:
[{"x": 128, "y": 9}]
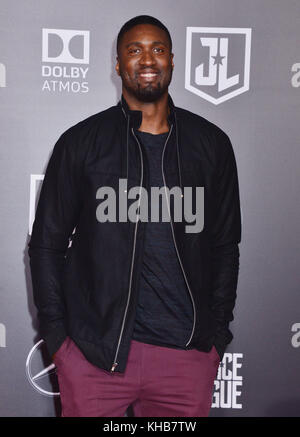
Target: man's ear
[
  {"x": 172, "y": 56},
  {"x": 117, "y": 67}
]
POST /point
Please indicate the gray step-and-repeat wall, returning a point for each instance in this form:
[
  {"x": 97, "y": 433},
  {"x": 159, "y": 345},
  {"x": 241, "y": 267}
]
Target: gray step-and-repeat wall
[{"x": 237, "y": 63}]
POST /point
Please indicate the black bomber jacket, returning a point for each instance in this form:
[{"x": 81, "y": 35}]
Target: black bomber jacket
[{"x": 85, "y": 273}]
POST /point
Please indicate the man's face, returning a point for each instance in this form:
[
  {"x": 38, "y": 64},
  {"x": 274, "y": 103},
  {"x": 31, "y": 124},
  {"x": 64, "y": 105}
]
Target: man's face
[{"x": 145, "y": 62}]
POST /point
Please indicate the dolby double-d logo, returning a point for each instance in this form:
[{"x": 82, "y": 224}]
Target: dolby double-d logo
[{"x": 69, "y": 47}]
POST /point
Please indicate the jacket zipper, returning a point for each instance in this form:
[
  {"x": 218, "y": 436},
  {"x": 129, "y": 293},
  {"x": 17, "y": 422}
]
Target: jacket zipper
[
  {"x": 173, "y": 235},
  {"x": 115, "y": 363}
]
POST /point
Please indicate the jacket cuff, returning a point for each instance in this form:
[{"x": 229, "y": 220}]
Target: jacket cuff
[
  {"x": 222, "y": 339},
  {"x": 220, "y": 347},
  {"x": 55, "y": 339}
]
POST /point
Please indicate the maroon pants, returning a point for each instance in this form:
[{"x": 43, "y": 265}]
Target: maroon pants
[{"x": 158, "y": 382}]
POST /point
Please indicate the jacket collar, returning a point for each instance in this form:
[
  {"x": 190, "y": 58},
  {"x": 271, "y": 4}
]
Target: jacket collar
[{"x": 136, "y": 116}]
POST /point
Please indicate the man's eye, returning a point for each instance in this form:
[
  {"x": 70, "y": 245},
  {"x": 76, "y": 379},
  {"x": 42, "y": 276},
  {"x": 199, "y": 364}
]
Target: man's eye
[
  {"x": 158, "y": 49},
  {"x": 133, "y": 51}
]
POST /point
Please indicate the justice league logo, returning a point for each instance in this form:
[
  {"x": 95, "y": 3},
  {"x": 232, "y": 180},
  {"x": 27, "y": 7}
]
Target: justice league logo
[{"x": 217, "y": 62}]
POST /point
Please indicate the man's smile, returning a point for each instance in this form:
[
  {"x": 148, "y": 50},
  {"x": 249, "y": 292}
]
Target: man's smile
[{"x": 148, "y": 76}]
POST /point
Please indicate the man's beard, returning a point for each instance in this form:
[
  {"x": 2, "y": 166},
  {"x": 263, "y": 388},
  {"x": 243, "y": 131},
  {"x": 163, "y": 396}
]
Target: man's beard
[{"x": 148, "y": 93}]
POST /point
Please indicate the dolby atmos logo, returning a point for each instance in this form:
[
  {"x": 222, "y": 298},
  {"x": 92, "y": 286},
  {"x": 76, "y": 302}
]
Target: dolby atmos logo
[{"x": 65, "y": 60}]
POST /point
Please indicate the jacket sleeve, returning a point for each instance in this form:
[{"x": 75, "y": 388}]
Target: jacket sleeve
[
  {"x": 226, "y": 236},
  {"x": 56, "y": 216}
]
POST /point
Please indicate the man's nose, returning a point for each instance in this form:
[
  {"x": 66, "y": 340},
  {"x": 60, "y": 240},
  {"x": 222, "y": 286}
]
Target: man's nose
[{"x": 147, "y": 58}]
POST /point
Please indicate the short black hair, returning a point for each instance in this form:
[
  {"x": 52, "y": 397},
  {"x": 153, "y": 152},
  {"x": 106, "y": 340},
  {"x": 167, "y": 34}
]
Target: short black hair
[{"x": 141, "y": 19}]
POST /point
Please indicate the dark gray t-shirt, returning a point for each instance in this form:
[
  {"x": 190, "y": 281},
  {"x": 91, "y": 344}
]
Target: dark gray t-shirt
[{"x": 164, "y": 314}]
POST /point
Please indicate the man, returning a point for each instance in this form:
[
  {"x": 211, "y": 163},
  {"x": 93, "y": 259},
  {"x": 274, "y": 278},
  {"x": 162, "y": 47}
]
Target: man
[{"x": 136, "y": 311}]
